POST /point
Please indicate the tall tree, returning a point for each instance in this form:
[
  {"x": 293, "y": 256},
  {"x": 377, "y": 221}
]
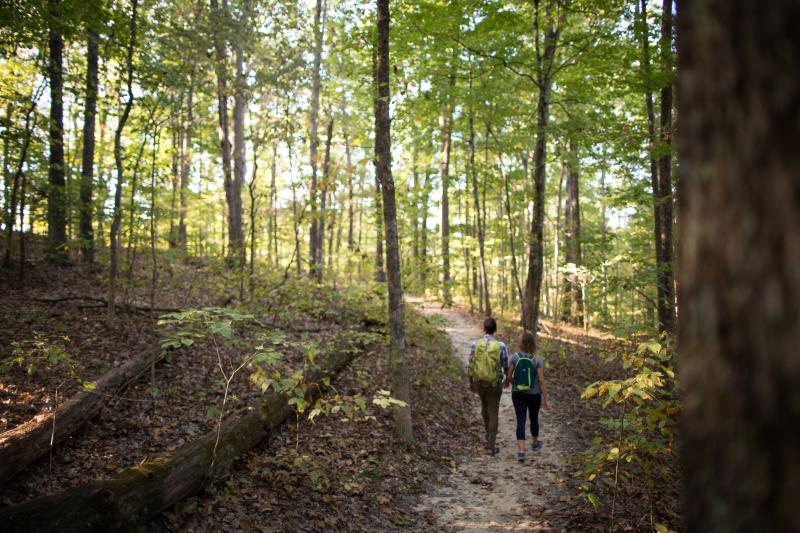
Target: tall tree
[
  {"x": 446, "y": 127},
  {"x": 240, "y": 96},
  {"x": 738, "y": 99},
  {"x": 383, "y": 168},
  {"x": 666, "y": 282},
  {"x": 573, "y": 308},
  {"x": 87, "y": 166},
  {"x": 545, "y": 60},
  {"x": 56, "y": 193},
  {"x": 123, "y": 119},
  {"x": 315, "y": 241}
]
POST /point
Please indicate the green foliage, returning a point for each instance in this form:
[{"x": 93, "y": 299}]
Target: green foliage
[
  {"x": 642, "y": 435},
  {"x": 37, "y": 353}
]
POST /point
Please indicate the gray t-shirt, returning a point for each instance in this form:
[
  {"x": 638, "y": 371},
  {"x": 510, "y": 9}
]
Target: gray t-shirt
[{"x": 536, "y": 389}]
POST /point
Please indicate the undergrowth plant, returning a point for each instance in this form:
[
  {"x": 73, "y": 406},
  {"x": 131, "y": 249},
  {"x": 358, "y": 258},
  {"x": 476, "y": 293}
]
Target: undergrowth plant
[{"x": 643, "y": 430}]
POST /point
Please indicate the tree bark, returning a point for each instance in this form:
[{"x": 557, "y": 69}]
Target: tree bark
[
  {"x": 117, "y": 217},
  {"x": 573, "y": 308},
  {"x": 235, "y": 210},
  {"x": 22, "y": 445},
  {"x": 186, "y": 164},
  {"x": 314, "y": 237},
  {"x": 446, "y": 126},
  {"x": 56, "y": 193},
  {"x": 487, "y": 306},
  {"x": 666, "y": 282},
  {"x": 533, "y": 283},
  {"x": 141, "y": 492},
  {"x": 739, "y": 103},
  {"x": 401, "y": 384},
  {"x": 87, "y": 166},
  {"x": 324, "y": 192}
]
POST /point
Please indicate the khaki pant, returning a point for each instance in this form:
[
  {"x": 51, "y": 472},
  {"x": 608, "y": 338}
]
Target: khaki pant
[{"x": 490, "y": 409}]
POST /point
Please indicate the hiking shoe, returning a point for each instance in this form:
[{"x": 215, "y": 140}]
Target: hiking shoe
[
  {"x": 537, "y": 446},
  {"x": 492, "y": 451},
  {"x": 521, "y": 457}
]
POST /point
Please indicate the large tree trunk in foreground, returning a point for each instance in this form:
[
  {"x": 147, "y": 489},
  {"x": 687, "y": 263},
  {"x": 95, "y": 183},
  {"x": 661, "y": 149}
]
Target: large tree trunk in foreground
[
  {"x": 56, "y": 193},
  {"x": 739, "y": 102},
  {"x": 383, "y": 170},
  {"x": 24, "y": 444},
  {"x": 141, "y": 492},
  {"x": 87, "y": 166}
]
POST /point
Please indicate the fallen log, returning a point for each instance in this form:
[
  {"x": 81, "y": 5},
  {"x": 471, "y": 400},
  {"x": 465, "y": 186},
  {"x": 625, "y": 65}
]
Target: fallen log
[
  {"x": 102, "y": 302},
  {"x": 141, "y": 492},
  {"x": 27, "y": 442}
]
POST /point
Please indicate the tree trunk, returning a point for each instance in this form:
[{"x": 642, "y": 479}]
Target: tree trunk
[
  {"x": 573, "y": 308},
  {"x": 666, "y": 282},
  {"x": 445, "y": 123},
  {"x": 56, "y": 194},
  {"x": 18, "y": 178},
  {"x": 738, "y": 98},
  {"x": 117, "y": 217},
  {"x": 486, "y": 305},
  {"x": 533, "y": 283},
  {"x": 87, "y": 166},
  {"x": 186, "y": 164},
  {"x": 323, "y": 187},
  {"x": 426, "y": 190},
  {"x": 401, "y": 384},
  {"x": 315, "y": 243},
  {"x": 236, "y": 231},
  {"x": 22, "y": 445},
  {"x": 126, "y": 501}
]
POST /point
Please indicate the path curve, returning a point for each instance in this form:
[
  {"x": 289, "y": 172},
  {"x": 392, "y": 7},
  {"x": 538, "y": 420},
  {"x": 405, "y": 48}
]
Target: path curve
[{"x": 495, "y": 493}]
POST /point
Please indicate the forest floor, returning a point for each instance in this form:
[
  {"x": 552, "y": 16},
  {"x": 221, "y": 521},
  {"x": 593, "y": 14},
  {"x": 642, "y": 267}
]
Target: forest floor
[{"x": 338, "y": 472}]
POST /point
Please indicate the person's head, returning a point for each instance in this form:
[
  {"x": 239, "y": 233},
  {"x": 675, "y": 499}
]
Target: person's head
[
  {"x": 527, "y": 344},
  {"x": 489, "y": 326}
]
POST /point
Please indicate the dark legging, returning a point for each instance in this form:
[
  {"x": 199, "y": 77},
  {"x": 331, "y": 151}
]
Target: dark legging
[{"x": 526, "y": 402}]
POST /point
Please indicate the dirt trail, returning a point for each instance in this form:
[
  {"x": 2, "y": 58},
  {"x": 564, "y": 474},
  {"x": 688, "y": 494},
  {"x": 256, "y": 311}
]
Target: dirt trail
[{"x": 497, "y": 493}]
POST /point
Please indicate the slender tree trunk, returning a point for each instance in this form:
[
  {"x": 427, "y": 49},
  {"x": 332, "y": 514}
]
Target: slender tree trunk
[
  {"x": 445, "y": 124},
  {"x": 323, "y": 187},
  {"x": 176, "y": 153},
  {"x": 186, "y": 164},
  {"x": 87, "y": 166},
  {"x": 573, "y": 308},
  {"x": 485, "y": 303},
  {"x": 383, "y": 169},
  {"x": 274, "y": 203},
  {"x": 314, "y": 236},
  {"x": 511, "y": 232},
  {"x": 666, "y": 280},
  {"x": 533, "y": 283},
  {"x": 56, "y": 194},
  {"x": 738, "y": 97},
  {"x": 117, "y": 217},
  {"x": 426, "y": 189},
  {"x": 240, "y": 96},
  {"x": 153, "y": 214},
  {"x": 19, "y": 178},
  {"x": 556, "y": 245}
]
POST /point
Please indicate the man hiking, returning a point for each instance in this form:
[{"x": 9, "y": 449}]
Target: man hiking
[{"x": 488, "y": 364}]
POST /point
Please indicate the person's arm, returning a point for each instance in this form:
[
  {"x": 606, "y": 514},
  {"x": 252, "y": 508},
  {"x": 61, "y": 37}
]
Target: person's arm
[
  {"x": 510, "y": 375},
  {"x": 469, "y": 364},
  {"x": 540, "y": 377}
]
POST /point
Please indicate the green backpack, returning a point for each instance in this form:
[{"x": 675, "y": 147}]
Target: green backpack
[
  {"x": 485, "y": 364},
  {"x": 524, "y": 372}
]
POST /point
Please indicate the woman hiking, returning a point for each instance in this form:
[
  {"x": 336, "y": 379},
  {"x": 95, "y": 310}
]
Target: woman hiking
[{"x": 528, "y": 391}]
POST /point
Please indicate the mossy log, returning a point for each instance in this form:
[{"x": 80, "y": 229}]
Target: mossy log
[
  {"x": 141, "y": 492},
  {"x": 27, "y": 442}
]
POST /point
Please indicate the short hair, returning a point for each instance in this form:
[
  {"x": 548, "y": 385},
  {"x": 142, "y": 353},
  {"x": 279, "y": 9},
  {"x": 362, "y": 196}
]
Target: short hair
[
  {"x": 527, "y": 343},
  {"x": 489, "y": 325}
]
